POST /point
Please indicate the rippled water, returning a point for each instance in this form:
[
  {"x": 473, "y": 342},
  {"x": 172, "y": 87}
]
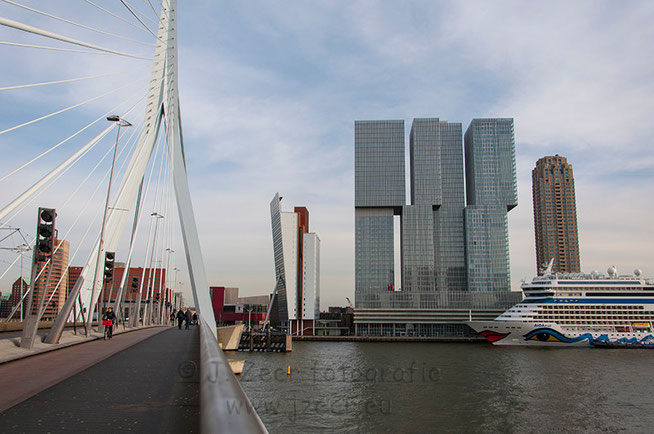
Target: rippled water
[{"x": 427, "y": 387}]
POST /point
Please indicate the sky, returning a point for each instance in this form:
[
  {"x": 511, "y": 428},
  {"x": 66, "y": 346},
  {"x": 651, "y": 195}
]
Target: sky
[{"x": 270, "y": 91}]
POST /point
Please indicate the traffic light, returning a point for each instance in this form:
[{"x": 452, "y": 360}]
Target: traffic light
[
  {"x": 135, "y": 283},
  {"x": 109, "y": 258},
  {"x": 45, "y": 232},
  {"x": 156, "y": 297}
]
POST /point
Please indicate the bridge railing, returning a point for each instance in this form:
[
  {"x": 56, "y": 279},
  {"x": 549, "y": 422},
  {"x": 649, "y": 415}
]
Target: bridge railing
[{"x": 224, "y": 407}]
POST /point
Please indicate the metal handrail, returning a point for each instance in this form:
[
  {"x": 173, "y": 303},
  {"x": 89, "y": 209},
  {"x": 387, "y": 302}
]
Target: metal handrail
[{"x": 224, "y": 407}]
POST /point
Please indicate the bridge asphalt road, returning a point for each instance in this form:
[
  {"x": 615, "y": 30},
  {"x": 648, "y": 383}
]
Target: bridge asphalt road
[{"x": 138, "y": 389}]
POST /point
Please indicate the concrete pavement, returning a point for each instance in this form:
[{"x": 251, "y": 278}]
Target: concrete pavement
[{"x": 146, "y": 380}]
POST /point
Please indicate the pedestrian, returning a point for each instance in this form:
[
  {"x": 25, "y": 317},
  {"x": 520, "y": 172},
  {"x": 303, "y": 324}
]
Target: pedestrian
[
  {"x": 172, "y": 318},
  {"x": 188, "y": 316},
  {"x": 180, "y": 318},
  {"x": 195, "y": 318}
]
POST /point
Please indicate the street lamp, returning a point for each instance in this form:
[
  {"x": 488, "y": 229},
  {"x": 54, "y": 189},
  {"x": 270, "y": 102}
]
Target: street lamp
[{"x": 121, "y": 123}]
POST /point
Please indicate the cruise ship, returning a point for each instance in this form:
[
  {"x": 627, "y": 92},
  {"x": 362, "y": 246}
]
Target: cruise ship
[{"x": 578, "y": 309}]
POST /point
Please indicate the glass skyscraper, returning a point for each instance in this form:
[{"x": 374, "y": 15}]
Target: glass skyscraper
[
  {"x": 434, "y": 226},
  {"x": 491, "y": 192},
  {"x": 379, "y": 192}
]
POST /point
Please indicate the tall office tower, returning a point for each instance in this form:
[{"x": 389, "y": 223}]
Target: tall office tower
[
  {"x": 297, "y": 268},
  {"x": 555, "y": 215},
  {"x": 434, "y": 299},
  {"x": 379, "y": 194},
  {"x": 57, "y": 290},
  {"x": 491, "y": 192},
  {"x": 433, "y": 233}
]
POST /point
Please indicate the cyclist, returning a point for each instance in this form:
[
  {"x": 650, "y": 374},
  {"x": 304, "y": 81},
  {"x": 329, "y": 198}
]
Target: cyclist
[{"x": 108, "y": 320}]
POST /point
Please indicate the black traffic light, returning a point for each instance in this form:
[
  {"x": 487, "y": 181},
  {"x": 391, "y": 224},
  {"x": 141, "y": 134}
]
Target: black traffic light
[
  {"x": 156, "y": 297},
  {"x": 109, "y": 258},
  {"x": 135, "y": 283},
  {"x": 45, "y": 233}
]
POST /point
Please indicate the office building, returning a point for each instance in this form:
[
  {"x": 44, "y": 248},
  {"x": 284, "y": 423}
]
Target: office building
[
  {"x": 434, "y": 297},
  {"x": 491, "y": 190},
  {"x": 555, "y": 215},
  {"x": 297, "y": 268}
]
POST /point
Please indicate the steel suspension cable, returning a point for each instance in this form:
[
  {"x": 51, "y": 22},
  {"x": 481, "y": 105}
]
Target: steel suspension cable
[
  {"x": 139, "y": 19},
  {"x": 136, "y": 11},
  {"x": 112, "y": 110},
  {"x": 147, "y": 247},
  {"x": 15, "y": 44},
  {"x": 74, "y": 23},
  {"x": 116, "y": 16},
  {"x": 56, "y": 173},
  {"x": 41, "y": 32},
  {"x": 67, "y": 108},
  {"x": 155, "y": 240},
  {"x": 70, "y": 80}
]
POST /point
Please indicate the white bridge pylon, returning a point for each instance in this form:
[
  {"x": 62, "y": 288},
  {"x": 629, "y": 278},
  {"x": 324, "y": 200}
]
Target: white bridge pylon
[{"x": 162, "y": 104}]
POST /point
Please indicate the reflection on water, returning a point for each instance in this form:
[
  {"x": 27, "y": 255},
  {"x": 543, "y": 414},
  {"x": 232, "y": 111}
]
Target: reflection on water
[{"x": 416, "y": 387}]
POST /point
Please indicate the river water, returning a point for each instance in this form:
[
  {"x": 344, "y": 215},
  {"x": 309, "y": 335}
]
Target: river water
[{"x": 437, "y": 387}]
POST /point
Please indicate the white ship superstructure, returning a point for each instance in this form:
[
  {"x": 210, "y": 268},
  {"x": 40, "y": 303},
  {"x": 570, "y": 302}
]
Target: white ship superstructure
[{"x": 577, "y": 309}]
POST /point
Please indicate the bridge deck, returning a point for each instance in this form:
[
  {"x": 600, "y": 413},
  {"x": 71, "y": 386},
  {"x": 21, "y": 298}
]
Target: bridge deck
[{"x": 151, "y": 386}]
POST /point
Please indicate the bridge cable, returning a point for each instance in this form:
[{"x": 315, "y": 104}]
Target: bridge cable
[
  {"x": 55, "y": 173},
  {"x": 139, "y": 297},
  {"x": 116, "y": 16},
  {"x": 140, "y": 21},
  {"x": 75, "y": 24},
  {"x": 42, "y": 47},
  {"x": 70, "y": 80},
  {"x": 114, "y": 90},
  {"x": 148, "y": 308},
  {"x": 111, "y": 111},
  {"x": 136, "y": 11},
  {"x": 31, "y": 29}
]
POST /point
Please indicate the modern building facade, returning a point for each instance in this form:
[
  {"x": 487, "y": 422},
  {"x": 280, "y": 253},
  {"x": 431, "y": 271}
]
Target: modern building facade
[
  {"x": 436, "y": 228},
  {"x": 491, "y": 190},
  {"x": 555, "y": 215},
  {"x": 379, "y": 195},
  {"x": 297, "y": 268}
]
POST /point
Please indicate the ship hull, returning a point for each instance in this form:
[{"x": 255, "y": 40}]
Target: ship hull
[{"x": 521, "y": 333}]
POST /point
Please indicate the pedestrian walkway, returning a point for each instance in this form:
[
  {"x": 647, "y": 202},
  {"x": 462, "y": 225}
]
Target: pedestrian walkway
[
  {"x": 147, "y": 380},
  {"x": 11, "y": 350}
]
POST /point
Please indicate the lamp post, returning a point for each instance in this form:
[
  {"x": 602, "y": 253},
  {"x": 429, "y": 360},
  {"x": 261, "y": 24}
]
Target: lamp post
[{"x": 121, "y": 123}]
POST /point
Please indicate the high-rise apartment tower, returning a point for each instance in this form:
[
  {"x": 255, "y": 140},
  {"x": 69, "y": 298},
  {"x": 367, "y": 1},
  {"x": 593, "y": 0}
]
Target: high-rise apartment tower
[{"x": 555, "y": 215}]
